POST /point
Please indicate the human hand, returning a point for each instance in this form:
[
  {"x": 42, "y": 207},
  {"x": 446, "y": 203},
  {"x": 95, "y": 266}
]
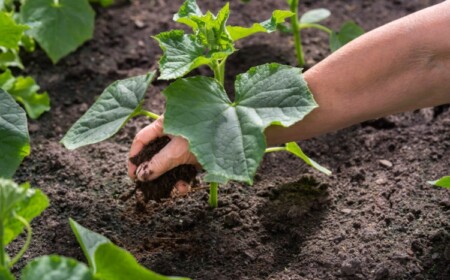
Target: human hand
[{"x": 175, "y": 153}]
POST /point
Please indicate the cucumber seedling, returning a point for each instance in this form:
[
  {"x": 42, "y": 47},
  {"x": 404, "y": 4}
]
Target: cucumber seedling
[{"x": 226, "y": 136}]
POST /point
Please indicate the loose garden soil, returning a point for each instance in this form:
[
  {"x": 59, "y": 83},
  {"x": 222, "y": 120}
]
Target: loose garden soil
[{"x": 374, "y": 218}]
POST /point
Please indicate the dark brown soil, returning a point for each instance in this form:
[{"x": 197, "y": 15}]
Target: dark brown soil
[
  {"x": 161, "y": 187},
  {"x": 369, "y": 220}
]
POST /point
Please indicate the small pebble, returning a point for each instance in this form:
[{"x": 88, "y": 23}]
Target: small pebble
[
  {"x": 386, "y": 163},
  {"x": 346, "y": 211},
  {"x": 139, "y": 23}
]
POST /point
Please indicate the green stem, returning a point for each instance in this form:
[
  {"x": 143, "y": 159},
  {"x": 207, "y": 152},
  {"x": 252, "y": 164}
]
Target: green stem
[
  {"x": 213, "y": 195},
  {"x": 2, "y": 246},
  {"x": 56, "y": 3},
  {"x": 296, "y": 32},
  {"x": 147, "y": 114},
  {"x": 315, "y": 26},
  {"x": 27, "y": 241},
  {"x": 275, "y": 149},
  {"x": 219, "y": 70}
]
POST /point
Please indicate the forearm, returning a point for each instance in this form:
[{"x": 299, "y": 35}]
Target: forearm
[{"x": 398, "y": 67}]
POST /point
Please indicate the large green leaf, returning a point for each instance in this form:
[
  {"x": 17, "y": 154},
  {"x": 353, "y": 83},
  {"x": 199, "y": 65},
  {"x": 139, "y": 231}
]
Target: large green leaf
[
  {"x": 14, "y": 139},
  {"x": 443, "y": 182},
  {"x": 114, "y": 263},
  {"x": 109, "y": 113},
  {"x": 59, "y": 28},
  {"x": 25, "y": 91},
  {"x": 228, "y": 137},
  {"x": 348, "y": 32},
  {"x": 10, "y": 31},
  {"x": 56, "y": 268},
  {"x": 89, "y": 242},
  {"x": 295, "y": 149},
  {"x": 182, "y": 54},
  {"x": 315, "y": 15},
  {"x": 268, "y": 26},
  {"x": 21, "y": 201}
]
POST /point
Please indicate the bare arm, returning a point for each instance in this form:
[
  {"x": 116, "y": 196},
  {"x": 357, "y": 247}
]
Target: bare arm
[{"x": 401, "y": 66}]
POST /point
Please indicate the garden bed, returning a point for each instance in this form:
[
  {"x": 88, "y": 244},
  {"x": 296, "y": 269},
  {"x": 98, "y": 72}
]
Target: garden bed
[{"x": 374, "y": 218}]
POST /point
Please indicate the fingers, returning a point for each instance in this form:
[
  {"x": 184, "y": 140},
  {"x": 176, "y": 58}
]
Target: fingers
[
  {"x": 175, "y": 153},
  {"x": 142, "y": 138}
]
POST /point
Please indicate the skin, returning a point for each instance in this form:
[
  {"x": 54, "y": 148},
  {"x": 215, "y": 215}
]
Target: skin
[{"x": 401, "y": 66}]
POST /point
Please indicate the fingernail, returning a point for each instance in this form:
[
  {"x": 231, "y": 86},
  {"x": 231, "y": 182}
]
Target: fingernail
[{"x": 141, "y": 171}]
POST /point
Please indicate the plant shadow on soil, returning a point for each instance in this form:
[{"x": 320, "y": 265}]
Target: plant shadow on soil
[{"x": 286, "y": 215}]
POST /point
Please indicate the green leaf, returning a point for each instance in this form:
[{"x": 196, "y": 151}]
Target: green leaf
[
  {"x": 268, "y": 26},
  {"x": 347, "y": 33},
  {"x": 315, "y": 15},
  {"x": 34, "y": 204},
  {"x": 115, "y": 106},
  {"x": 185, "y": 52},
  {"x": 5, "y": 274},
  {"x": 443, "y": 182},
  {"x": 108, "y": 261},
  {"x": 28, "y": 207},
  {"x": 27, "y": 42},
  {"x": 21, "y": 201},
  {"x": 295, "y": 149},
  {"x": 103, "y": 3},
  {"x": 228, "y": 137},
  {"x": 182, "y": 54},
  {"x": 25, "y": 91},
  {"x": 56, "y": 268},
  {"x": 188, "y": 9},
  {"x": 59, "y": 28},
  {"x": 14, "y": 138},
  {"x": 89, "y": 242},
  {"x": 9, "y": 58},
  {"x": 10, "y": 32},
  {"x": 212, "y": 32},
  {"x": 124, "y": 265}
]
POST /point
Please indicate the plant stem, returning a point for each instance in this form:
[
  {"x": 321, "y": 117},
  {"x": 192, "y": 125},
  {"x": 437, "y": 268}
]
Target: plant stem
[
  {"x": 27, "y": 241},
  {"x": 213, "y": 194},
  {"x": 296, "y": 32},
  {"x": 147, "y": 114},
  {"x": 316, "y": 26},
  {"x": 2, "y": 246},
  {"x": 219, "y": 70},
  {"x": 56, "y": 3},
  {"x": 275, "y": 149}
]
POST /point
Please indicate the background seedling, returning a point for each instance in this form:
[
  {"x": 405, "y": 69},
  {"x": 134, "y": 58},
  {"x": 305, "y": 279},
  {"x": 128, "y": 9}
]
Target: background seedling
[{"x": 19, "y": 204}]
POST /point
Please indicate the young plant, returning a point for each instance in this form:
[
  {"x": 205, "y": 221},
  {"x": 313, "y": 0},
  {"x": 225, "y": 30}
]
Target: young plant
[
  {"x": 347, "y": 32},
  {"x": 23, "y": 89},
  {"x": 227, "y": 137},
  {"x": 443, "y": 182},
  {"x": 19, "y": 204}
]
